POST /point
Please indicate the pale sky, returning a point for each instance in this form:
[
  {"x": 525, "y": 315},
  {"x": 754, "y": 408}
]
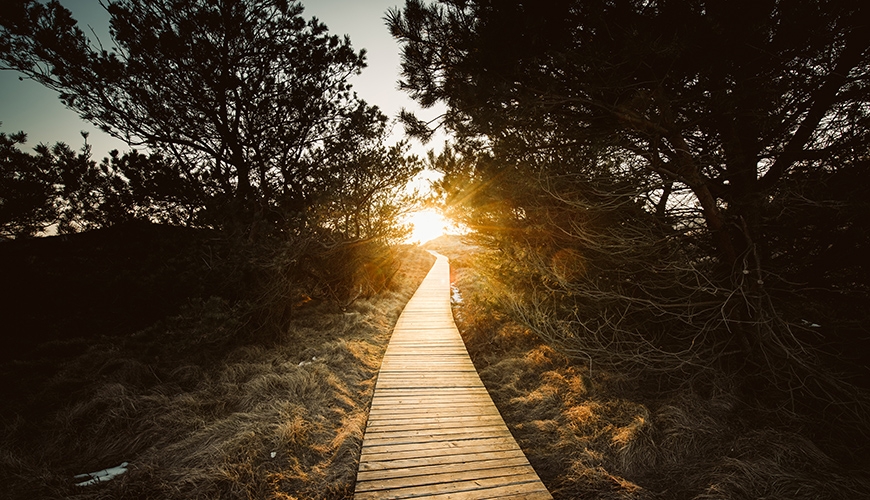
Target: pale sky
[{"x": 26, "y": 105}]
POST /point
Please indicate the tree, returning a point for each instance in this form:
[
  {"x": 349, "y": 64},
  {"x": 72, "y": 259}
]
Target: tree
[
  {"x": 151, "y": 188},
  {"x": 723, "y": 98},
  {"x": 241, "y": 95},
  {"x": 365, "y": 192},
  {"x": 27, "y": 193},
  {"x": 58, "y": 187},
  {"x": 691, "y": 130}
]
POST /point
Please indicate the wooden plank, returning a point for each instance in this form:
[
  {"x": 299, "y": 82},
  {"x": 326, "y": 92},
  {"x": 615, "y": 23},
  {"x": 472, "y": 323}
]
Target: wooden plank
[
  {"x": 436, "y": 434},
  {"x": 520, "y": 487},
  {"x": 450, "y": 376},
  {"x": 424, "y": 394},
  {"x": 431, "y": 469},
  {"x": 404, "y": 420},
  {"x": 423, "y": 421},
  {"x": 441, "y": 459},
  {"x": 517, "y": 473},
  {"x": 395, "y": 425},
  {"x": 429, "y": 410},
  {"x": 452, "y": 373},
  {"x": 453, "y": 446},
  {"x": 399, "y": 414},
  {"x": 433, "y": 431},
  {"x": 481, "y": 430},
  {"x": 401, "y": 399},
  {"x": 446, "y": 422},
  {"x": 402, "y": 403},
  {"x": 524, "y": 491},
  {"x": 420, "y": 422},
  {"x": 465, "y": 408},
  {"x": 410, "y": 371},
  {"x": 414, "y": 397}
]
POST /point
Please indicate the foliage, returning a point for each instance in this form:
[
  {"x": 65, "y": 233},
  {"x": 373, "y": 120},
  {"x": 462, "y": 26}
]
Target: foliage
[
  {"x": 249, "y": 101},
  {"x": 251, "y": 126},
  {"x": 26, "y": 190},
  {"x": 108, "y": 282},
  {"x": 362, "y": 196},
  {"x": 723, "y": 101},
  {"x": 580, "y": 261},
  {"x": 662, "y": 185},
  {"x": 281, "y": 278},
  {"x": 56, "y": 187}
]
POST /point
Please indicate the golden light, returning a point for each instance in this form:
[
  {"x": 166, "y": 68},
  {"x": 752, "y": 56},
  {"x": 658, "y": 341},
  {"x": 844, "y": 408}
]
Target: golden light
[{"x": 427, "y": 225}]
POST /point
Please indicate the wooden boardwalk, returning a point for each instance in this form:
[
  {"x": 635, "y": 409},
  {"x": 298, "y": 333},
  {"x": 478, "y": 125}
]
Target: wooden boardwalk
[{"x": 433, "y": 431}]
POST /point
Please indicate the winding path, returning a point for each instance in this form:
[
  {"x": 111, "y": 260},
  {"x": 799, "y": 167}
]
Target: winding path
[{"x": 433, "y": 431}]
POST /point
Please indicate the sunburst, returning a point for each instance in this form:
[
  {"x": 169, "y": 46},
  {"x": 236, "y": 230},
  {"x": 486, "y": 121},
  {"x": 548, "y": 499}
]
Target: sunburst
[{"x": 427, "y": 225}]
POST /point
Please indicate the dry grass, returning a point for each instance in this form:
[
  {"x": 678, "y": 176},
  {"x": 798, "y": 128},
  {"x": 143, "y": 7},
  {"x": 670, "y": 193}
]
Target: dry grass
[
  {"x": 600, "y": 435},
  {"x": 199, "y": 414}
]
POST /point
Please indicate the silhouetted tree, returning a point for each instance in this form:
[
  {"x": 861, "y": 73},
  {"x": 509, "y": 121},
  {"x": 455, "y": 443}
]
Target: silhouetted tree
[
  {"x": 637, "y": 166},
  {"x": 365, "y": 192},
  {"x": 241, "y": 95},
  {"x": 724, "y": 98},
  {"x": 58, "y": 187},
  {"x": 27, "y": 193},
  {"x": 152, "y": 188}
]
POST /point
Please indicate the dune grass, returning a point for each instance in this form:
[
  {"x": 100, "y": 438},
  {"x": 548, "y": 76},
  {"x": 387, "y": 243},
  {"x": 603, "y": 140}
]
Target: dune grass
[
  {"x": 199, "y": 408},
  {"x": 597, "y": 434}
]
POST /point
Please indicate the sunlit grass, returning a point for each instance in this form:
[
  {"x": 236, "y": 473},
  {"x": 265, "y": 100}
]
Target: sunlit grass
[
  {"x": 598, "y": 434},
  {"x": 195, "y": 418}
]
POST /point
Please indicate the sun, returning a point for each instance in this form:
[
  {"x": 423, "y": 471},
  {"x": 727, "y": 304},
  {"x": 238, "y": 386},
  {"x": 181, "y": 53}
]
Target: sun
[{"x": 427, "y": 225}]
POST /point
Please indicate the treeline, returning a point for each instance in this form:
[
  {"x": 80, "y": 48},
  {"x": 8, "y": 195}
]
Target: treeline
[
  {"x": 674, "y": 190},
  {"x": 249, "y": 128},
  {"x": 58, "y": 189}
]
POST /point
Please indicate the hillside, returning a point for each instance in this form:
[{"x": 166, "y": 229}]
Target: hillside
[
  {"x": 139, "y": 344},
  {"x": 594, "y": 432}
]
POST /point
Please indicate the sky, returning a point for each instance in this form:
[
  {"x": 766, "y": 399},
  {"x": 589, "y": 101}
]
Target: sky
[{"x": 29, "y": 107}]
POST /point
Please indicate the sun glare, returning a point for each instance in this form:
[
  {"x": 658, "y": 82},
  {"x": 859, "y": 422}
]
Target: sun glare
[{"x": 428, "y": 225}]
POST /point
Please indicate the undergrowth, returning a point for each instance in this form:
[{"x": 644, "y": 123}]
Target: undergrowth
[
  {"x": 592, "y": 433},
  {"x": 198, "y": 406}
]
